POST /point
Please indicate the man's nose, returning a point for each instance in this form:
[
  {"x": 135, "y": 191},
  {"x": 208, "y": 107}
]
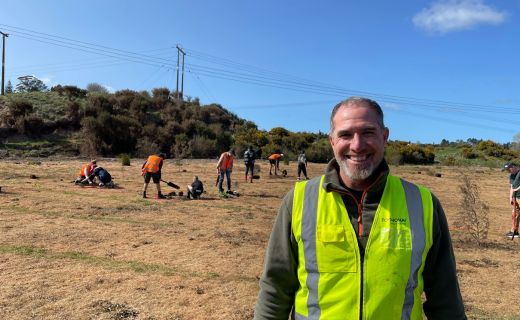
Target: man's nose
[{"x": 357, "y": 143}]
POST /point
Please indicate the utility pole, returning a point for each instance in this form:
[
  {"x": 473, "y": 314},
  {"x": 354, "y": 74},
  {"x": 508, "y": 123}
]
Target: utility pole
[
  {"x": 4, "y": 35},
  {"x": 181, "y": 93}
]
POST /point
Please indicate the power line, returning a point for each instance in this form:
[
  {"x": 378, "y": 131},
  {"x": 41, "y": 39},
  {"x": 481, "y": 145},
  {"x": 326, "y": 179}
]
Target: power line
[
  {"x": 243, "y": 73},
  {"x": 75, "y": 44},
  {"x": 203, "y": 87}
]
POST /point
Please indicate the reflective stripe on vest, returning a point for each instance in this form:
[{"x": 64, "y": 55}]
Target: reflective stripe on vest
[{"x": 329, "y": 267}]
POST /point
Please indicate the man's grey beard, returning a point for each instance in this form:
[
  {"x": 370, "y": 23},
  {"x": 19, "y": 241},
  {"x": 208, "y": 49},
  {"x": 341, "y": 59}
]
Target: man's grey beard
[{"x": 360, "y": 174}]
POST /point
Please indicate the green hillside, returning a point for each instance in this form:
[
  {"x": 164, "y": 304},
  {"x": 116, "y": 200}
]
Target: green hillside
[{"x": 71, "y": 121}]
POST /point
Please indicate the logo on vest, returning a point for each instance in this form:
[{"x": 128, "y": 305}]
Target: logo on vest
[{"x": 394, "y": 220}]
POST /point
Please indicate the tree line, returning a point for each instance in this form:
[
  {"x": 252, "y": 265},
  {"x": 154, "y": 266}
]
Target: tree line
[
  {"x": 142, "y": 123},
  {"x": 96, "y": 122}
]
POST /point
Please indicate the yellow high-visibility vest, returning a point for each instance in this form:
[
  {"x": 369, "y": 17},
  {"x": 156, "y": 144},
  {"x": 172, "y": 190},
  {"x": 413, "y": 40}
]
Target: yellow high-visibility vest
[{"x": 329, "y": 263}]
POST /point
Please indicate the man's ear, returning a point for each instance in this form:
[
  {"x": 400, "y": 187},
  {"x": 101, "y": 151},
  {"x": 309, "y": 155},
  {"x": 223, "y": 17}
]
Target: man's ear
[{"x": 386, "y": 134}]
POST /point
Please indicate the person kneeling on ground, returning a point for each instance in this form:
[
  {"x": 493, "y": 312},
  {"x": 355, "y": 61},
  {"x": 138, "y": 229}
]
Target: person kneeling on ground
[
  {"x": 105, "y": 179},
  {"x": 196, "y": 189},
  {"x": 85, "y": 172}
]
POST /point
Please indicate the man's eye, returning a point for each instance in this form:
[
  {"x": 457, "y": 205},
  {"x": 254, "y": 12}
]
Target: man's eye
[{"x": 344, "y": 135}]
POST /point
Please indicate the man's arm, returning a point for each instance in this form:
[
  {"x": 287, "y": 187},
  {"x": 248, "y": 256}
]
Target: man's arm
[
  {"x": 220, "y": 161},
  {"x": 513, "y": 191},
  {"x": 279, "y": 280},
  {"x": 443, "y": 298},
  {"x": 87, "y": 176}
]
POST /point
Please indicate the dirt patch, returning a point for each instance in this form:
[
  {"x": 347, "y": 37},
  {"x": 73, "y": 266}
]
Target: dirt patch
[{"x": 117, "y": 311}]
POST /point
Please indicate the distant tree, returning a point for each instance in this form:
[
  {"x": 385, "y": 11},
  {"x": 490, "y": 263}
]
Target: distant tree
[
  {"x": 96, "y": 87},
  {"x": 70, "y": 91},
  {"x": 161, "y": 93},
  {"x": 473, "y": 141},
  {"x": 516, "y": 142},
  {"x": 160, "y": 97},
  {"x": 30, "y": 84},
  {"x": 9, "y": 87},
  {"x": 279, "y": 131}
]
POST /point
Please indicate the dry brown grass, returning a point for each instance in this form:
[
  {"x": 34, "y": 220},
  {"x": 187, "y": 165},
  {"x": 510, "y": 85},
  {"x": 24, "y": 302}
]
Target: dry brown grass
[{"x": 68, "y": 252}]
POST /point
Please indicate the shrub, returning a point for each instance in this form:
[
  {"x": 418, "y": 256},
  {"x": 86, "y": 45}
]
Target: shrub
[
  {"x": 203, "y": 147},
  {"x": 393, "y": 156},
  {"x": 31, "y": 125},
  {"x": 319, "y": 151},
  {"x": 20, "y": 107},
  {"x": 403, "y": 152},
  {"x": 70, "y": 91},
  {"x": 96, "y": 87},
  {"x": 469, "y": 153},
  {"x": 474, "y": 214},
  {"x": 450, "y": 161},
  {"x": 182, "y": 146},
  {"x": 125, "y": 159}
]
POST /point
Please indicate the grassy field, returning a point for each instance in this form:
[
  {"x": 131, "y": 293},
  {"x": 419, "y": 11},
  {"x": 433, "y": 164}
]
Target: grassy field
[{"x": 70, "y": 252}]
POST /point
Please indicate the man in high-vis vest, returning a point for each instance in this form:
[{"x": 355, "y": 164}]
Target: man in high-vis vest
[
  {"x": 358, "y": 242},
  {"x": 151, "y": 169},
  {"x": 224, "y": 168}
]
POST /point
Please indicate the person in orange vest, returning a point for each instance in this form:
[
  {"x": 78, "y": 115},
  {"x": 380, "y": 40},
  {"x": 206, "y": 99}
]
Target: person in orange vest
[
  {"x": 225, "y": 167},
  {"x": 274, "y": 161},
  {"x": 152, "y": 170},
  {"x": 85, "y": 172}
]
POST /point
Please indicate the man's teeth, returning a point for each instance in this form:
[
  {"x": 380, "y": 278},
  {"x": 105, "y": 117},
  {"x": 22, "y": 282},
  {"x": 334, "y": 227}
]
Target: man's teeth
[{"x": 357, "y": 158}]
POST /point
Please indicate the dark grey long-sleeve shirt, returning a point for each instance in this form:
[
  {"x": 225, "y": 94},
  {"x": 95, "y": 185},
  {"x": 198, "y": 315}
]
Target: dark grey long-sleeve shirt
[{"x": 279, "y": 281}]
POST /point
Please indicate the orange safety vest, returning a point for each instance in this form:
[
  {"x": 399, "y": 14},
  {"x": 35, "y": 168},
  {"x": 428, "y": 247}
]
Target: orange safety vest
[
  {"x": 275, "y": 156},
  {"x": 227, "y": 161},
  {"x": 152, "y": 164},
  {"x": 89, "y": 166}
]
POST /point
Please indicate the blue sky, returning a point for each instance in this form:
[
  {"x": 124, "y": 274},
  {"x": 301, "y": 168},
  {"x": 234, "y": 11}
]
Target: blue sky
[{"x": 440, "y": 69}]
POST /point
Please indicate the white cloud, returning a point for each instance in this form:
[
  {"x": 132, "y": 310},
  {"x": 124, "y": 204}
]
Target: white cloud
[
  {"x": 392, "y": 106},
  {"x": 109, "y": 88},
  {"x": 46, "y": 80},
  {"x": 453, "y": 15}
]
